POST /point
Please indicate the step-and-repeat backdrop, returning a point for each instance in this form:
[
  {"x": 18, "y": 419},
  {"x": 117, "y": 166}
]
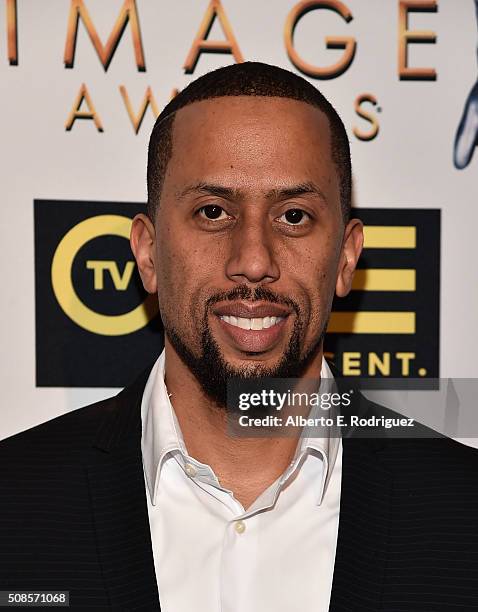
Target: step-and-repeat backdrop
[{"x": 82, "y": 82}]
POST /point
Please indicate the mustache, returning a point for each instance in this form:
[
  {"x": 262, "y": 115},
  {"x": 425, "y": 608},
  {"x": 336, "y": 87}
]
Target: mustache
[{"x": 244, "y": 292}]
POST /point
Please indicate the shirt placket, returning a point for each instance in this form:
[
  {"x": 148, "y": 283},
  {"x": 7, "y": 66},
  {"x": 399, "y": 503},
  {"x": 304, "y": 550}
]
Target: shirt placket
[{"x": 238, "y": 564}]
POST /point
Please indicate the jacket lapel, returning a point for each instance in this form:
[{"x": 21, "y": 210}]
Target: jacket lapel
[
  {"x": 119, "y": 505},
  {"x": 364, "y": 521}
]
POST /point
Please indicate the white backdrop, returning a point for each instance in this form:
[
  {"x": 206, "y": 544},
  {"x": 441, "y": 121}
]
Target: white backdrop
[{"x": 409, "y": 163}]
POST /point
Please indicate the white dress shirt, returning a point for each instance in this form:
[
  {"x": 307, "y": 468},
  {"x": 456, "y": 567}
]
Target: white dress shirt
[{"x": 210, "y": 554}]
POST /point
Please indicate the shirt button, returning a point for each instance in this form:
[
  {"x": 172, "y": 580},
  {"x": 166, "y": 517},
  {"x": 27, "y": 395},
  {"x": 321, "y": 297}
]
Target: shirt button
[
  {"x": 240, "y": 526},
  {"x": 190, "y": 470}
]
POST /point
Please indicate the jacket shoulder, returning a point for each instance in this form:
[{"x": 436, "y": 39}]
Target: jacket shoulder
[
  {"x": 63, "y": 439},
  {"x": 63, "y": 434},
  {"x": 418, "y": 449}
]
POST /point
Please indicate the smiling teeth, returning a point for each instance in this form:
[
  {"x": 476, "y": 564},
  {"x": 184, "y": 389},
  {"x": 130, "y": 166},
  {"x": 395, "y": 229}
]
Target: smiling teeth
[{"x": 256, "y": 324}]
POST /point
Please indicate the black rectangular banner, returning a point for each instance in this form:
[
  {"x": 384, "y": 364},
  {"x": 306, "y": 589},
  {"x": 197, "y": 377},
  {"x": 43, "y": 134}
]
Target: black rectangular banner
[
  {"x": 388, "y": 325},
  {"x": 95, "y": 325}
]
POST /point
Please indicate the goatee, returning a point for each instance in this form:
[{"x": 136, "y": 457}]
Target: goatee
[{"x": 213, "y": 372}]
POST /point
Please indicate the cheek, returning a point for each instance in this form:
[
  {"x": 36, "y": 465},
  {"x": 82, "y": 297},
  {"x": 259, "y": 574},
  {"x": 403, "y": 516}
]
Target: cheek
[
  {"x": 171, "y": 273},
  {"x": 188, "y": 259},
  {"x": 182, "y": 278},
  {"x": 315, "y": 273}
]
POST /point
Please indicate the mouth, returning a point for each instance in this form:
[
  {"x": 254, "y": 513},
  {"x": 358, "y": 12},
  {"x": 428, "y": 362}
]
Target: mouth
[{"x": 252, "y": 327}]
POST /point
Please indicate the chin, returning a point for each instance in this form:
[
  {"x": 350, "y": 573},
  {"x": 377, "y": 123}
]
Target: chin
[
  {"x": 251, "y": 369},
  {"x": 252, "y": 361}
]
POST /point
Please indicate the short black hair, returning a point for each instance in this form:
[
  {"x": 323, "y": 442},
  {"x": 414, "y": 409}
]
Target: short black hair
[{"x": 246, "y": 79}]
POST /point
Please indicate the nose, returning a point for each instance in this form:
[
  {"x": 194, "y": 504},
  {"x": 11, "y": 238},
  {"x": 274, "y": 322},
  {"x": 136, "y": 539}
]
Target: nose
[{"x": 252, "y": 258}]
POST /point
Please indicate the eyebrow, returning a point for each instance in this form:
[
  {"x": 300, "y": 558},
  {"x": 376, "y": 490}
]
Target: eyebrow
[
  {"x": 308, "y": 188},
  {"x": 276, "y": 194},
  {"x": 220, "y": 191}
]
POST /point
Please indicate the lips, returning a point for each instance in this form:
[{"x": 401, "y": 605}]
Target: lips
[{"x": 252, "y": 327}]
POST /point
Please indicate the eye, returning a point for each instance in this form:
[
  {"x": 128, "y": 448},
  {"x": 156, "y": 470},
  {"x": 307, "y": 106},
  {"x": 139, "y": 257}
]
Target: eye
[
  {"x": 212, "y": 212},
  {"x": 294, "y": 216}
]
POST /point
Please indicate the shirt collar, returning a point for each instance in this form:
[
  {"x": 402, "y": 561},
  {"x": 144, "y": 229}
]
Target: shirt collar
[
  {"x": 326, "y": 445},
  {"x": 161, "y": 433}
]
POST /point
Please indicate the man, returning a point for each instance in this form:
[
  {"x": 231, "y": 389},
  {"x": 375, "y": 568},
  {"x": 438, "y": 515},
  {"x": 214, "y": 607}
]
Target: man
[{"x": 144, "y": 501}]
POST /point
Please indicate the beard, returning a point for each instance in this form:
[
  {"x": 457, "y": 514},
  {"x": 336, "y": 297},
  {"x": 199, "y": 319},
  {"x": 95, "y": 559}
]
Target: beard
[{"x": 213, "y": 372}]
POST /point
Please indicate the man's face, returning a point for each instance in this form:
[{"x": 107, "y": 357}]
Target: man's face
[{"x": 249, "y": 238}]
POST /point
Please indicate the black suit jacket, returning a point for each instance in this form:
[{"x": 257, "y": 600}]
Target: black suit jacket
[{"x": 73, "y": 516}]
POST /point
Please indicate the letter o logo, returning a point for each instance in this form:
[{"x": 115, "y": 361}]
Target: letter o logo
[{"x": 70, "y": 303}]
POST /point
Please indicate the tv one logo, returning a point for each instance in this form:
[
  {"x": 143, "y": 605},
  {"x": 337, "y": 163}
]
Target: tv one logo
[
  {"x": 64, "y": 290},
  {"x": 93, "y": 315}
]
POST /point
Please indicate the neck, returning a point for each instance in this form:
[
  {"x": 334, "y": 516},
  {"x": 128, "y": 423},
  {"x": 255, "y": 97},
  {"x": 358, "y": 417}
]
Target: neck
[{"x": 203, "y": 425}]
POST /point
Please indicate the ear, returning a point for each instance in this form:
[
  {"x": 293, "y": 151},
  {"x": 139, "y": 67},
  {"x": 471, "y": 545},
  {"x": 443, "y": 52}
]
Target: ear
[
  {"x": 351, "y": 249},
  {"x": 143, "y": 245}
]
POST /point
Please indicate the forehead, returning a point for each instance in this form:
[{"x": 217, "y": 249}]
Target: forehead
[{"x": 258, "y": 138}]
